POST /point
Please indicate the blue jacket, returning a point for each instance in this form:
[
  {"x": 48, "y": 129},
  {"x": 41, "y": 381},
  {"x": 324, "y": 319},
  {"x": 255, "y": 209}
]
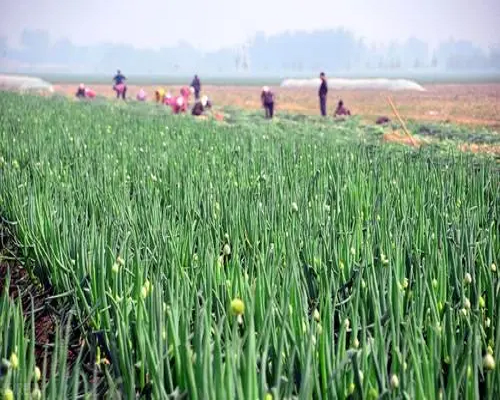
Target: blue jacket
[{"x": 323, "y": 89}]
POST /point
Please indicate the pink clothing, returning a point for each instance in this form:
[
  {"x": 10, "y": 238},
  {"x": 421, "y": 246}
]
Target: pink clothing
[
  {"x": 179, "y": 104},
  {"x": 120, "y": 88},
  {"x": 141, "y": 96},
  {"x": 89, "y": 93}
]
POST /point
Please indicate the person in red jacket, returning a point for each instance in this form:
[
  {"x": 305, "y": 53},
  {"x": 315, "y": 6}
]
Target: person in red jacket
[
  {"x": 180, "y": 103},
  {"x": 84, "y": 92}
]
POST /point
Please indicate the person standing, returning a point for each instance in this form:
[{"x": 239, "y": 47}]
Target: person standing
[
  {"x": 323, "y": 91},
  {"x": 120, "y": 87},
  {"x": 196, "y": 85},
  {"x": 267, "y": 98}
]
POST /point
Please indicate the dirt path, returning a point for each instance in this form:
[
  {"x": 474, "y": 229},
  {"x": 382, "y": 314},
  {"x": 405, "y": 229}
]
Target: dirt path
[{"x": 466, "y": 104}]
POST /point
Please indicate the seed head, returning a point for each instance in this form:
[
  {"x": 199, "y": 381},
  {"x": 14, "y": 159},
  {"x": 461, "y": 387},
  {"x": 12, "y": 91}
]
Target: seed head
[
  {"x": 482, "y": 302},
  {"x": 295, "y": 207},
  {"x": 405, "y": 283},
  {"x": 220, "y": 261},
  {"x": 8, "y": 394},
  {"x": 120, "y": 261},
  {"x": 14, "y": 361},
  {"x": 372, "y": 393},
  {"x": 468, "y": 278},
  {"x": 493, "y": 268},
  {"x": 269, "y": 396},
  {"x": 316, "y": 315},
  {"x": 38, "y": 374},
  {"x": 227, "y": 249},
  {"x": 467, "y": 303},
  {"x": 355, "y": 343},
  {"x": 36, "y": 394},
  {"x": 115, "y": 268},
  {"x": 434, "y": 283},
  {"x": 347, "y": 323},
  {"x": 487, "y": 322},
  {"x": 394, "y": 381},
  {"x": 351, "y": 388},
  {"x": 489, "y": 362},
  {"x": 237, "y": 307}
]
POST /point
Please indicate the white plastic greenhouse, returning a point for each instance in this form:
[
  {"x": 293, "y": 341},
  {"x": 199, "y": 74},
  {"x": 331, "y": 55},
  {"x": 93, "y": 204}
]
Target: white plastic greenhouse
[
  {"x": 24, "y": 84},
  {"x": 356, "y": 84}
]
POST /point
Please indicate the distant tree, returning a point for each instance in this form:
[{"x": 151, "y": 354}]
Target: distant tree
[
  {"x": 434, "y": 62},
  {"x": 495, "y": 56},
  {"x": 462, "y": 54}
]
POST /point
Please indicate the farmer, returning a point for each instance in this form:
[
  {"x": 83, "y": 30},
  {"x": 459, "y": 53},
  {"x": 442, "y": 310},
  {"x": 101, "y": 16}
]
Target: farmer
[
  {"x": 200, "y": 106},
  {"x": 159, "y": 95},
  {"x": 179, "y": 104},
  {"x": 341, "y": 110},
  {"x": 323, "y": 91},
  {"x": 80, "y": 93},
  {"x": 141, "y": 96},
  {"x": 167, "y": 98},
  {"x": 84, "y": 92},
  {"x": 196, "y": 85},
  {"x": 267, "y": 98},
  {"x": 119, "y": 87},
  {"x": 382, "y": 120}
]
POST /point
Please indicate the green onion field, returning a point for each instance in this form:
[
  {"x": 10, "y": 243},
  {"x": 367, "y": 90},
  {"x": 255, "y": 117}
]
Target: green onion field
[{"x": 292, "y": 259}]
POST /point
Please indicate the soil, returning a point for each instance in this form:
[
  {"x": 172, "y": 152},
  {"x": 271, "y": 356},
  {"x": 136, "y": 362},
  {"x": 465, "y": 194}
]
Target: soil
[
  {"x": 33, "y": 299},
  {"x": 465, "y": 104}
]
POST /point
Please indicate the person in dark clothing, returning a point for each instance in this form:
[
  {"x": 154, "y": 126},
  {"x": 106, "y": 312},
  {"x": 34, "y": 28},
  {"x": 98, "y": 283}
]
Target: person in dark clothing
[
  {"x": 119, "y": 78},
  {"x": 341, "y": 110},
  {"x": 200, "y": 106},
  {"x": 323, "y": 91},
  {"x": 267, "y": 98},
  {"x": 196, "y": 85},
  {"x": 382, "y": 120},
  {"x": 81, "y": 93},
  {"x": 119, "y": 87}
]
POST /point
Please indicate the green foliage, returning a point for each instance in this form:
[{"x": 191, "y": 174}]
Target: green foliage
[{"x": 155, "y": 223}]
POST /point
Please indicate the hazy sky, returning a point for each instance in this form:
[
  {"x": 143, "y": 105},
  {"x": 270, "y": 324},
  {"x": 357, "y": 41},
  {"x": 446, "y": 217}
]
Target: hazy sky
[{"x": 210, "y": 24}]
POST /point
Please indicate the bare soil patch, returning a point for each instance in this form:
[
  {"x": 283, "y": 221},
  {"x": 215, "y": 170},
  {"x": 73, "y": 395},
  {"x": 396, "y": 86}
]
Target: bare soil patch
[{"x": 464, "y": 104}]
